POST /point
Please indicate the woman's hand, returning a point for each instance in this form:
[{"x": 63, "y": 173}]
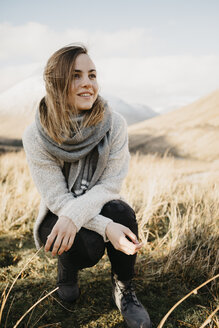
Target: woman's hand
[
  {"x": 64, "y": 232},
  {"x": 117, "y": 233}
]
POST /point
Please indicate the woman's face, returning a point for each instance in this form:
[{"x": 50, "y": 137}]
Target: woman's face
[{"x": 84, "y": 87}]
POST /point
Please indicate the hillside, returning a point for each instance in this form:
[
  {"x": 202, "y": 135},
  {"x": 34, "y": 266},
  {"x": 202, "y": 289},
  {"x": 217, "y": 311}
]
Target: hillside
[
  {"x": 132, "y": 113},
  {"x": 191, "y": 131},
  {"x": 19, "y": 102}
]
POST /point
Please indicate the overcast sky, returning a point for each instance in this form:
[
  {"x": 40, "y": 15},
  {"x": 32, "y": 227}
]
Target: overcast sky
[{"x": 161, "y": 53}]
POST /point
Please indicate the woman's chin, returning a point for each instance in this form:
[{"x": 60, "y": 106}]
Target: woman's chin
[{"x": 85, "y": 107}]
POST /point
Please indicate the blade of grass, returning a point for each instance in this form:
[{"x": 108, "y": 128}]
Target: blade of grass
[
  {"x": 6, "y": 321},
  {"x": 38, "y": 319},
  {"x": 3, "y": 300},
  {"x": 194, "y": 291},
  {"x": 208, "y": 320},
  {"x": 35, "y": 304},
  {"x": 14, "y": 281},
  {"x": 34, "y": 309},
  {"x": 51, "y": 324}
]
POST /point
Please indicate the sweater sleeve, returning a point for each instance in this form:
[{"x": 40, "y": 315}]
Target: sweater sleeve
[
  {"x": 50, "y": 182},
  {"x": 98, "y": 224},
  {"x": 89, "y": 205},
  {"x": 46, "y": 171}
]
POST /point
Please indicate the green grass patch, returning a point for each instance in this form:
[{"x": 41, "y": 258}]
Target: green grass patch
[{"x": 94, "y": 308}]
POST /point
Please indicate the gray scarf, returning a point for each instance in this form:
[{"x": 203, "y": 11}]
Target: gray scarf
[{"x": 88, "y": 152}]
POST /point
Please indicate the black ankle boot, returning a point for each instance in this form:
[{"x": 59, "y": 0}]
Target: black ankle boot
[
  {"x": 67, "y": 282},
  {"x": 133, "y": 312}
]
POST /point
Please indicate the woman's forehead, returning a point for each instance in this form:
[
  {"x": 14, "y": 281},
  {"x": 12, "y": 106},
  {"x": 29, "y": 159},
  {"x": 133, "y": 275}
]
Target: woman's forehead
[{"x": 83, "y": 61}]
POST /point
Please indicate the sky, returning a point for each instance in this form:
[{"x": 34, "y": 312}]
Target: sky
[{"x": 160, "y": 53}]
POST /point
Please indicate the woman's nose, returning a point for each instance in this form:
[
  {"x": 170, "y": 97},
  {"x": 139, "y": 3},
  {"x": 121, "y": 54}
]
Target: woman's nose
[{"x": 86, "y": 81}]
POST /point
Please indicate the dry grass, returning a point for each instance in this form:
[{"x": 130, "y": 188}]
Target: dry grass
[
  {"x": 178, "y": 216},
  {"x": 172, "y": 207},
  {"x": 18, "y": 197},
  {"x": 176, "y": 202},
  {"x": 13, "y": 125}
]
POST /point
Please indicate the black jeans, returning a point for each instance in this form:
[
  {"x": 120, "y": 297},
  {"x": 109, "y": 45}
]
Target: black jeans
[{"x": 88, "y": 247}]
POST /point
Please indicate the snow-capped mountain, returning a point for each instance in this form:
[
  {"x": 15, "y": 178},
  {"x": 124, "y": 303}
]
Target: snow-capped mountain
[
  {"x": 133, "y": 113},
  {"x": 23, "y": 97},
  {"x": 19, "y": 102}
]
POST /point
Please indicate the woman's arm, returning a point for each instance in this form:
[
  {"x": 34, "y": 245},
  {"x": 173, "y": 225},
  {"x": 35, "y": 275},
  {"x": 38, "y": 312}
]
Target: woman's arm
[
  {"x": 46, "y": 171},
  {"x": 89, "y": 205},
  {"x": 47, "y": 174},
  {"x": 50, "y": 182}
]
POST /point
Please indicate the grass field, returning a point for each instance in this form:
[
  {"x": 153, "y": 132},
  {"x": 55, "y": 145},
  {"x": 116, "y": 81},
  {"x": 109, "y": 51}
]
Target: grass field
[{"x": 176, "y": 202}]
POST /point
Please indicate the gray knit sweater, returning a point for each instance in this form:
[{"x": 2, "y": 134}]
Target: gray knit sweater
[{"x": 46, "y": 171}]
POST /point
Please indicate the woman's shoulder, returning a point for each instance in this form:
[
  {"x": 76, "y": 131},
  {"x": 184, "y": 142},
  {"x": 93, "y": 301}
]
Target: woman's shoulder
[
  {"x": 119, "y": 128},
  {"x": 29, "y": 134},
  {"x": 33, "y": 145},
  {"x": 31, "y": 140},
  {"x": 118, "y": 121}
]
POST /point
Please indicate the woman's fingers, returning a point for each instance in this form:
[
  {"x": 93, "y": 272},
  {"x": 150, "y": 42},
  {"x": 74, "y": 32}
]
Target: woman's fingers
[
  {"x": 62, "y": 236},
  {"x": 50, "y": 240},
  {"x": 131, "y": 235},
  {"x": 133, "y": 238},
  {"x": 127, "y": 247},
  {"x": 57, "y": 244},
  {"x": 122, "y": 238},
  {"x": 133, "y": 245},
  {"x": 70, "y": 242},
  {"x": 63, "y": 245},
  {"x": 67, "y": 243}
]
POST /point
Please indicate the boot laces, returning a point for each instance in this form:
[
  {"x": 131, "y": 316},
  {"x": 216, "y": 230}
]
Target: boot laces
[{"x": 128, "y": 294}]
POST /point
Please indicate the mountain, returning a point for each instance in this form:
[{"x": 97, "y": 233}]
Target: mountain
[
  {"x": 23, "y": 97},
  {"x": 18, "y": 105},
  {"x": 133, "y": 113},
  {"x": 191, "y": 131}
]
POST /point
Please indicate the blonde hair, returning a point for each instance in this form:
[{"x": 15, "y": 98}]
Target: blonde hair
[{"x": 55, "y": 112}]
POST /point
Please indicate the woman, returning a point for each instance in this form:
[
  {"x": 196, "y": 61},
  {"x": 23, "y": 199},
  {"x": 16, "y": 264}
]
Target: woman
[{"x": 77, "y": 151}]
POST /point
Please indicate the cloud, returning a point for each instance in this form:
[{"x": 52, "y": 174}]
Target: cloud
[
  {"x": 123, "y": 58},
  {"x": 11, "y": 74},
  {"x": 160, "y": 81},
  {"x": 34, "y": 41},
  {"x": 25, "y": 42}
]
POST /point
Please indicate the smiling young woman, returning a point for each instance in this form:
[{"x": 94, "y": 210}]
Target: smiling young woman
[
  {"x": 77, "y": 151},
  {"x": 84, "y": 86},
  {"x": 63, "y": 76}
]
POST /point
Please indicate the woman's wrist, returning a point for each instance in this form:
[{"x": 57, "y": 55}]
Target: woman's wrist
[
  {"x": 63, "y": 217},
  {"x": 107, "y": 229}
]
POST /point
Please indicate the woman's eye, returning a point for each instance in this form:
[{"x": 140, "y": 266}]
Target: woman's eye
[
  {"x": 76, "y": 76},
  {"x": 92, "y": 76}
]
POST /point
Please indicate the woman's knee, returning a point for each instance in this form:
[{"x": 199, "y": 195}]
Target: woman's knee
[
  {"x": 120, "y": 212},
  {"x": 89, "y": 246}
]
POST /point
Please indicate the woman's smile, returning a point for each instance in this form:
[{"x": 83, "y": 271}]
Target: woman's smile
[
  {"x": 85, "y": 95},
  {"x": 84, "y": 87}
]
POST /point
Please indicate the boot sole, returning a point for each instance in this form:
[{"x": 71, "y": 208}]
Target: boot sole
[{"x": 68, "y": 300}]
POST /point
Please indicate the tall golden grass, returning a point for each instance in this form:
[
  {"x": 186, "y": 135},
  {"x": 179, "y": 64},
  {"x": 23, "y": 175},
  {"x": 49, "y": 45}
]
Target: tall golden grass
[
  {"x": 176, "y": 203},
  {"x": 18, "y": 197},
  {"x": 178, "y": 214},
  {"x": 177, "y": 206}
]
